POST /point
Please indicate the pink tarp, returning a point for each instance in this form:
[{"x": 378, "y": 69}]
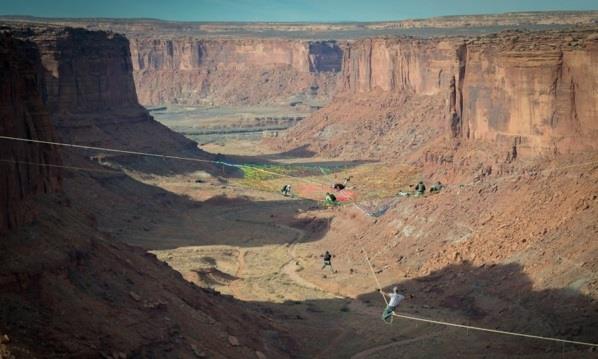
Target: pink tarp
[{"x": 318, "y": 192}]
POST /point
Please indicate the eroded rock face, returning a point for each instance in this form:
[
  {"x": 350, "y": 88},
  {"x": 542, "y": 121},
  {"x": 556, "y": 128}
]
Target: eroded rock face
[
  {"x": 539, "y": 90},
  {"x": 535, "y": 91},
  {"x": 85, "y": 71},
  {"x": 90, "y": 93},
  {"x": 25, "y": 168},
  {"x": 423, "y": 67},
  {"x": 232, "y": 71}
]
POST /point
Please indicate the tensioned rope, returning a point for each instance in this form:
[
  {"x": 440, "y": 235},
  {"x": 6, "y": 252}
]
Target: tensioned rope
[
  {"x": 496, "y": 331},
  {"x": 285, "y": 175},
  {"x": 59, "y": 166},
  {"x": 95, "y": 148},
  {"x": 149, "y": 154},
  {"x": 182, "y": 158},
  {"x": 112, "y": 150},
  {"x": 374, "y": 274},
  {"x": 84, "y": 169}
]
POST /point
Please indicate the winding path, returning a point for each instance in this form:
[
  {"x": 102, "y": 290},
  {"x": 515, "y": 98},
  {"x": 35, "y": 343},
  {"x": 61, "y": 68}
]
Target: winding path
[{"x": 291, "y": 269}]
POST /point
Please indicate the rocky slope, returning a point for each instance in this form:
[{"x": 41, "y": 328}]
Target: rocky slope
[
  {"x": 89, "y": 295},
  {"x": 249, "y": 71},
  {"x": 67, "y": 288},
  {"x": 23, "y": 114},
  {"x": 500, "y": 252},
  {"x": 513, "y": 89}
]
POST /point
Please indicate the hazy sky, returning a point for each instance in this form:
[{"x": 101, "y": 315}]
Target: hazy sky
[{"x": 280, "y": 10}]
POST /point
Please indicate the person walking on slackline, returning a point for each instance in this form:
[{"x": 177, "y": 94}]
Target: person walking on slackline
[{"x": 395, "y": 299}]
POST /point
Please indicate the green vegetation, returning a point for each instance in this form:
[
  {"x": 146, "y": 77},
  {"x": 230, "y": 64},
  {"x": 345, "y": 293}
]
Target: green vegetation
[
  {"x": 261, "y": 172},
  {"x": 264, "y": 177}
]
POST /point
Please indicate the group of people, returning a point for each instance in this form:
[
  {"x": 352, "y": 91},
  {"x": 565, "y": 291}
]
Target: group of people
[
  {"x": 329, "y": 199},
  {"x": 395, "y": 298},
  {"x": 420, "y": 188}
]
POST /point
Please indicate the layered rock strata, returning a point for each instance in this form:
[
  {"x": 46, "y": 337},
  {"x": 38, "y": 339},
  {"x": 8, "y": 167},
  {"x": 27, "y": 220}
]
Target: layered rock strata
[
  {"x": 25, "y": 168},
  {"x": 89, "y": 91},
  {"x": 536, "y": 91},
  {"x": 227, "y": 71}
]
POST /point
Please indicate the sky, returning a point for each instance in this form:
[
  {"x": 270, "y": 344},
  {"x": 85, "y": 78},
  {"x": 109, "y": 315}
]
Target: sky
[{"x": 280, "y": 10}]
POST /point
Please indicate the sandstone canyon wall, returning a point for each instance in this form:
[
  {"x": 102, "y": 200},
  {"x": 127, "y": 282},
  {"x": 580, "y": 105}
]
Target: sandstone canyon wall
[
  {"x": 233, "y": 71},
  {"x": 90, "y": 93},
  {"x": 25, "y": 169},
  {"x": 537, "y": 91},
  {"x": 422, "y": 67}
]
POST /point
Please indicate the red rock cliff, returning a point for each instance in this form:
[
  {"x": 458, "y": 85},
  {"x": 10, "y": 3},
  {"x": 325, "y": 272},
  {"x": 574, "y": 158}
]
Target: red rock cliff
[
  {"x": 86, "y": 71},
  {"x": 232, "y": 71},
  {"x": 538, "y": 91},
  {"x": 421, "y": 67},
  {"x": 90, "y": 93},
  {"x": 23, "y": 167}
]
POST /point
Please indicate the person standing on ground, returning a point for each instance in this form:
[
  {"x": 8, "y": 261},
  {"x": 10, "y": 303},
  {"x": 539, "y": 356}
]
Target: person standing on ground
[
  {"x": 286, "y": 190},
  {"x": 393, "y": 303},
  {"x": 341, "y": 186},
  {"x": 327, "y": 260},
  {"x": 420, "y": 189}
]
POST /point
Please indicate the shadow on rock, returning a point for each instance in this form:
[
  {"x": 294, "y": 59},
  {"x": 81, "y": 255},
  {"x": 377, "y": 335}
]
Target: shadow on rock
[{"x": 503, "y": 297}]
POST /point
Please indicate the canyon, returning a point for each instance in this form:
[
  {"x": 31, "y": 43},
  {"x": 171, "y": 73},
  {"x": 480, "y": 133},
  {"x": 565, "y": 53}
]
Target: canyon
[
  {"x": 120, "y": 254},
  {"x": 494, "y": 86},
  {"x": 66, "y": 287},
  {"x": 217, "y": 72},
  {"x": 531, "y": 91}
]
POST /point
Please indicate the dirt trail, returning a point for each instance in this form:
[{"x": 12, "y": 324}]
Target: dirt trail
[{"x": 238, "y": 273}]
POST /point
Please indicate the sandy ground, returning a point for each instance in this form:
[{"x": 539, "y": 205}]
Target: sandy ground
[{"x": 258, "y": 246}]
